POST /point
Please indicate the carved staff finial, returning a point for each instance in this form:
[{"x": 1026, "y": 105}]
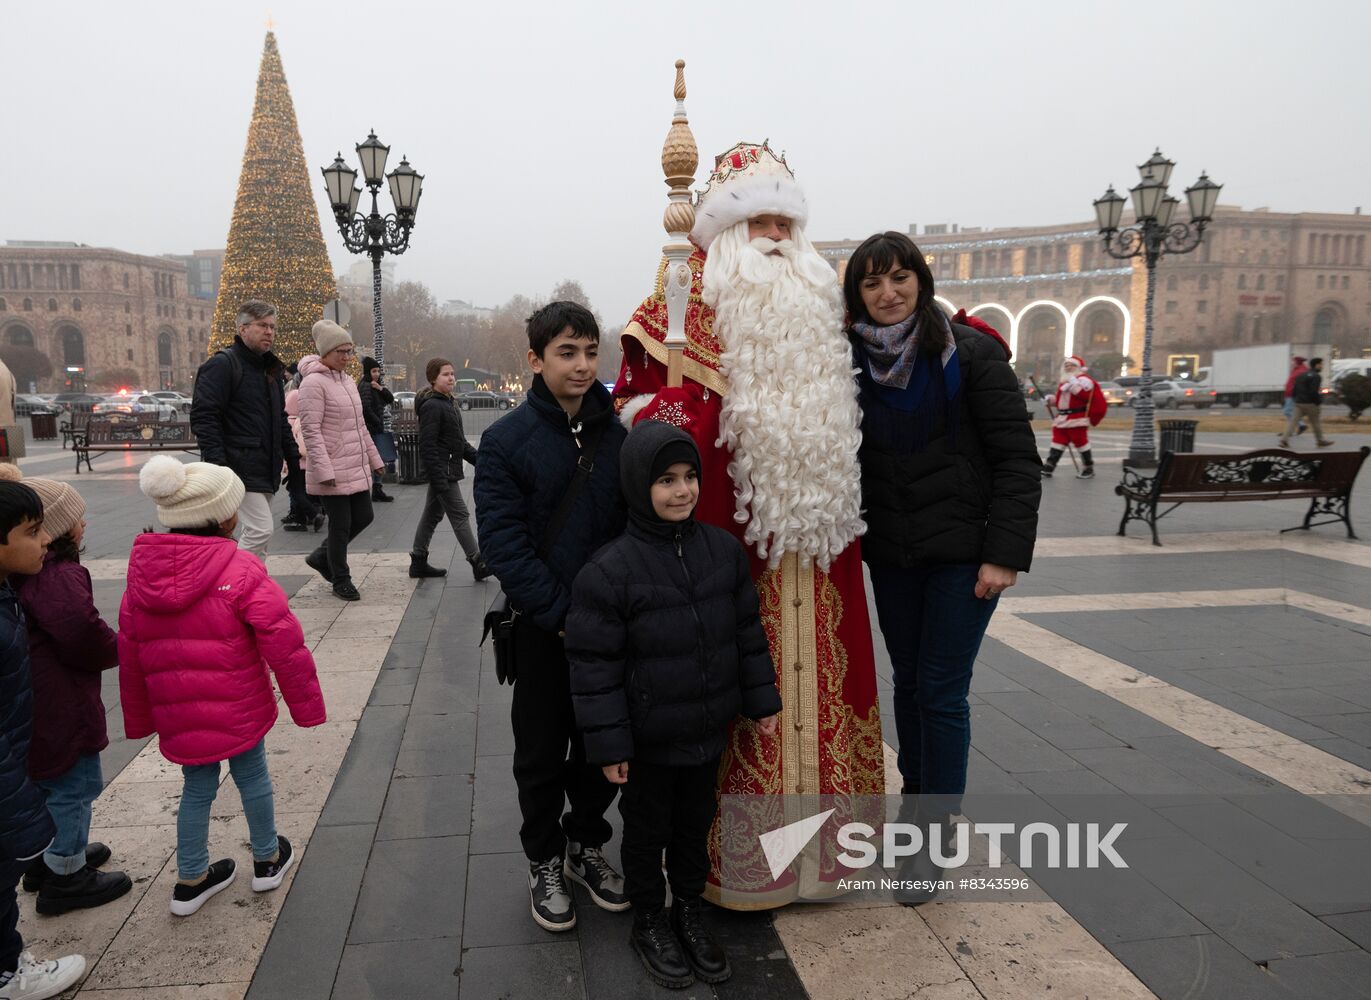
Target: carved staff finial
[{"x": 680, "y": 157}]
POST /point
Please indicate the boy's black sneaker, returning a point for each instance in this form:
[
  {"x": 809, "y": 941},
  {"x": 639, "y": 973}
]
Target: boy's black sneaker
[
  {"x": 549, "y": 898},
  {"x": 589, "y": 867},
  {"x": 267, "y": 875},
  {"x": 290, "y": 523},
  {"x": 659, "y": 951},
  {"x": 96, "y": 856},
  {"x": 186, "y": 899},
  {"x": 80, "y": 891},
  {"x": 318, "y": 561},
  {"x": 344, "y": 590},
  {"x": 703, "y": 953}
]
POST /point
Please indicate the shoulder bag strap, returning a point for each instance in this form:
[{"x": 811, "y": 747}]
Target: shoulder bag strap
[{"x": 585, "y": 464}]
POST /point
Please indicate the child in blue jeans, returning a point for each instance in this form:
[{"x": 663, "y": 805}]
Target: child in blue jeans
[
  {"x": 69, "y": 646},
  {"x": 26, "y": 829}
]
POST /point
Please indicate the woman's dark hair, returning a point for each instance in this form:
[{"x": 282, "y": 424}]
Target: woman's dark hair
[
  {"x": 18, "y": 503},
  {"x": 65, "y": 549},
  {"x": 892, "y": 251}
]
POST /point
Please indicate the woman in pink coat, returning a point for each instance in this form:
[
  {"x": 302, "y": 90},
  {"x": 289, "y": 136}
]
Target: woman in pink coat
[
  {"x": 342, "y": 456},
  {"x": 200, "y": 625}
]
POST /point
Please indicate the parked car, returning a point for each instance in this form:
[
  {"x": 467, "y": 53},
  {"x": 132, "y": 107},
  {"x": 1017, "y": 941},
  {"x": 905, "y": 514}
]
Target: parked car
[
  {"x": 481, "y": 399},
  {"x": 26, "y": 405},
  {"x": 405, "y": 400},
  {"x": 76, "y": 402},
  {"x": 177, "y": 399},
  {"x": 1116, "y": 394},
  {"x": 120, "y": 405},
  {"x": 1170, "y": 394}
]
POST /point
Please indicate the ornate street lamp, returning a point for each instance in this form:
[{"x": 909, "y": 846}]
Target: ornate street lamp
[
  {"x": 374, "y": 234},
  {"x": 1153, "y": 233}
]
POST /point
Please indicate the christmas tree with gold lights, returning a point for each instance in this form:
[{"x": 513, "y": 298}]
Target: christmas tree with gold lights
[{"x": 275, "y": 246}]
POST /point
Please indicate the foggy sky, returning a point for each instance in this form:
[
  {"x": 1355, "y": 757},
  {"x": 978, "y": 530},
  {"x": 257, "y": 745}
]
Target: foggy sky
[{"x": 539, "y": 126}]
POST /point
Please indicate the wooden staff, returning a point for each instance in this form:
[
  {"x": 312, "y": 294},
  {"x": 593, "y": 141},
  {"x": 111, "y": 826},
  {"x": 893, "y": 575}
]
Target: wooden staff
[{"x": 680, "y": 157}]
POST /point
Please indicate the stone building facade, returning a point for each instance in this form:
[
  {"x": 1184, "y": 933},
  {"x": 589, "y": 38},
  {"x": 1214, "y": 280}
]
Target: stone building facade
[
  {"x": 1259, "y": 277},
  {"x": 99, "y": 313}
]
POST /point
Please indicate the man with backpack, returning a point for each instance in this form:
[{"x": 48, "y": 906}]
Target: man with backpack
[{"x": 239, "y": 418}]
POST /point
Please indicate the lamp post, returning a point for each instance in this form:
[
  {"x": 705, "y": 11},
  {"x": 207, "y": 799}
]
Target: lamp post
[
  {"x": 374, "y": 234},
  {"x": 1153, "y": 233}
]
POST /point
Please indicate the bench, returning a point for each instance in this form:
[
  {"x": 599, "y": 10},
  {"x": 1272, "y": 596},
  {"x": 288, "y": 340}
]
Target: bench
[
  {"x": 1323, "y": 478},
  {"x": 74, "y": 429},
  {"x": 132, "y": 435}
]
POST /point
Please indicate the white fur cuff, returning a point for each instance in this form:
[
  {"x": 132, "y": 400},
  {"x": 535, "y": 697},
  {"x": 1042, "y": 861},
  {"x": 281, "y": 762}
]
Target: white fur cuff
[{"x": 633, "y": 407}]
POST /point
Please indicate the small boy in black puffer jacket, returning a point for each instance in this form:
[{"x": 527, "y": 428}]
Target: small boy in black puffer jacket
[{"x": 666, "y": 648}]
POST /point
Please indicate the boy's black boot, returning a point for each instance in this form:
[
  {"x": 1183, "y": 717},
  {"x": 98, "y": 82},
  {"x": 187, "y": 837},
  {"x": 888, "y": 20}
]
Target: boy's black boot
[
  {"x": 80, "y": 890},
  {"x": 344, "y": 590},
  {"x": 703, "y": 953},
  {"x": 419, "y": 568},
  {"x": 660, "y": 952},
  {"x": 96, "y": 856}
]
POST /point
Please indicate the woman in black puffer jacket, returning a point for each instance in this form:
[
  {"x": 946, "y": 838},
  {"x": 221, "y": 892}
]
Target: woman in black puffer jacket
[
  {"x": 950, "y": 485},
  {"x": 667, "y": 648}
]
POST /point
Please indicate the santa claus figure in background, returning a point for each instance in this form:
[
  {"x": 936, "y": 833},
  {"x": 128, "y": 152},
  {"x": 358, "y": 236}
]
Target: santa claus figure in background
[
  {"x": 1079, "y": 406},
  {"x": 770, "y": 400}
]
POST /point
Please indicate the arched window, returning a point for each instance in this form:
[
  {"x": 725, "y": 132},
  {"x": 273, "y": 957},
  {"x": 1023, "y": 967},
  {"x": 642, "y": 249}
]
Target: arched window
[
  {"x": 3, "y": 305},
  {"x": 164, "y": 349},
  {"x": 52, "y": 305},
  {"x": 28, "y": 305},
  {"x": 76, "y": 305},
  {"x": 73, "y": 345},
  {"x": 1324, "y": 321},
  {"x": 19, "y": 336}
]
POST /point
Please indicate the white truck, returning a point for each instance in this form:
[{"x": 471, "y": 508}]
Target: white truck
[{"x": 1255, "y": 375}]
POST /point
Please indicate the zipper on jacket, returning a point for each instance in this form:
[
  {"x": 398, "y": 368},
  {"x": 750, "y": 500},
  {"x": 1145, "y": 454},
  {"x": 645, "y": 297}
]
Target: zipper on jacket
[{"x": 699, "y": 629}]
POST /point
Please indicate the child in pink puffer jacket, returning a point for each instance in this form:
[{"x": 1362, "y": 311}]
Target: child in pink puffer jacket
[{"x": 200, "y": 624}]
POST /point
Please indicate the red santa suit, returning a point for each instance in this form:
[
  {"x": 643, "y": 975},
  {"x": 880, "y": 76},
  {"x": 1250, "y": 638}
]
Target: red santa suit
[
  {"x": 1079, "y": 404},
  {"x": 829, "y": 739}
]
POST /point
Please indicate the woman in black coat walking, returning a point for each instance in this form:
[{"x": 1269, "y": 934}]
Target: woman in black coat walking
[
  {"x": 951, "y": 481},
  {"x": 375, "y": 398},
  {"x": 443, "y": 446}
]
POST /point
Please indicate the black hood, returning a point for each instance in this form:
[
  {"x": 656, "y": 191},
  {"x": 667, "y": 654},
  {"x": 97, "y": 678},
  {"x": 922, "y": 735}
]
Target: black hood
[{"x": 636, "y": 462}]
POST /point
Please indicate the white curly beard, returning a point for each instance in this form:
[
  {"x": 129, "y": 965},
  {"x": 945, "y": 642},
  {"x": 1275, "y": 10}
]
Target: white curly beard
[{"x": 790, "y": 416}]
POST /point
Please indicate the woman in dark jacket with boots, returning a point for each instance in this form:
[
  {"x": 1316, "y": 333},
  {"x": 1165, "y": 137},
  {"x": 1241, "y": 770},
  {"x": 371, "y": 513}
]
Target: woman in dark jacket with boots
[
  {"x": 666, "y": 648},
  {"x": 443, "y": 446},
  {"x": 375, "y": 398},
  {"x": 951, "y": 481}
]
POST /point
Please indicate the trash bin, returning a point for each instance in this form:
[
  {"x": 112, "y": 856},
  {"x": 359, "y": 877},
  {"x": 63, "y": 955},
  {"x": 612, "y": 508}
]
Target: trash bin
[
  {"x": 1178, "y": 435},
  {"x": 44, "y": 426},
  {"x": 407, "y": 447}
]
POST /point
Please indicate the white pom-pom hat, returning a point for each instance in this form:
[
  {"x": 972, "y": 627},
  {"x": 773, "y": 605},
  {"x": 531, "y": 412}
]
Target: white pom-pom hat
[
  {"x": 190, "y": 494},
  {"x": 749, "y": 180}
]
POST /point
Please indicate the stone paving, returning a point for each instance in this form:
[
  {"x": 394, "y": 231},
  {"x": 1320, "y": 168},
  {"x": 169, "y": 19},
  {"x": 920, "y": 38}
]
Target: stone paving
[{"x": 1220, "y": 686}]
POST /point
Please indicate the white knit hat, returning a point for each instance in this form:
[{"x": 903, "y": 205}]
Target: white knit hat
[
  {"x": 191, "y": 494},
  {"x": 749, "y": 180},
  {"x": 328, "y": 335}
]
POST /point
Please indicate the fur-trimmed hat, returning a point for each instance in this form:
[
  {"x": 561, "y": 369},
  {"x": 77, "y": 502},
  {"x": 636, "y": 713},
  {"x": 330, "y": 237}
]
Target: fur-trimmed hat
[
  {"x": 328, "y": 335},
  {"x": 1075, "y": 359},
  {"x": 190, "y": 494},
  {"x": 749, "y": 180}
]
